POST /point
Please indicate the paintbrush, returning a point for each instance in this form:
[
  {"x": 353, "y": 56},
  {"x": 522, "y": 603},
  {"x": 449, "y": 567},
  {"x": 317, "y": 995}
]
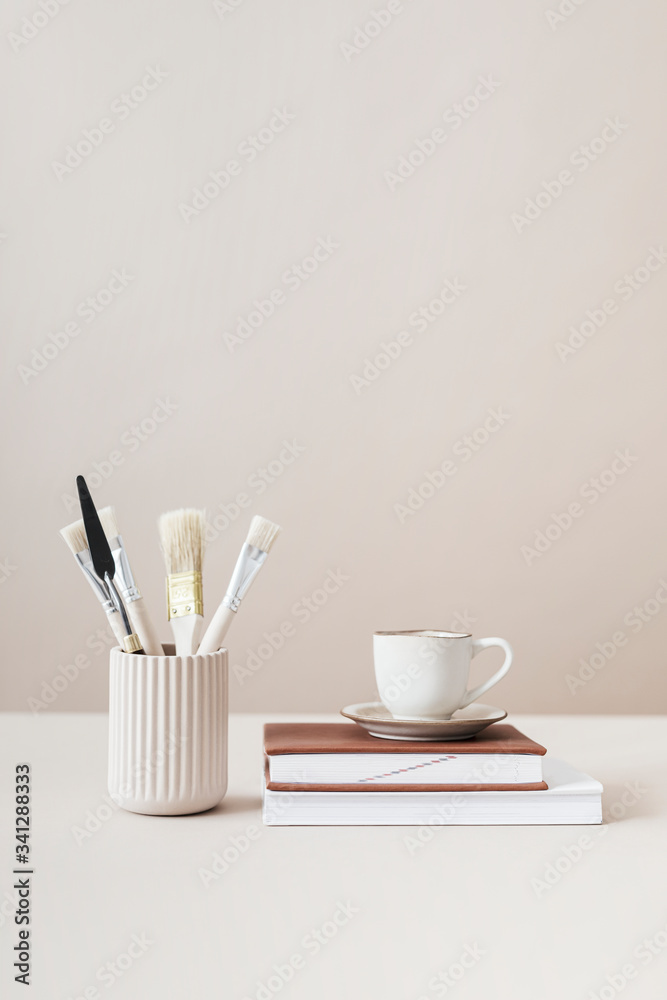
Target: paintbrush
[
  {"x": 103, "y": 563},
  {"x": 261, "y": 536},
  {"x": 182, "y": 542},
  {"x": 75, "y": 536},
  {"x": 136, "y": 606}
]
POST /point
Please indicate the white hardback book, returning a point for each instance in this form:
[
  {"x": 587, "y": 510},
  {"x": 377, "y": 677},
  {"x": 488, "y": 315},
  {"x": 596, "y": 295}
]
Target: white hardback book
[
  {"x": 572, "y": 797},
  {"x": 406, "y": 768}
]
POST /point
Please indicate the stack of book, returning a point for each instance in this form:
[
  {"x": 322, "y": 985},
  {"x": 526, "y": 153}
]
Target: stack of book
[{"x": 328, "y": 774}]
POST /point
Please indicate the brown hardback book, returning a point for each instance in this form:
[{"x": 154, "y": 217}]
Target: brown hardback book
[{"x": 333, "y": 756}]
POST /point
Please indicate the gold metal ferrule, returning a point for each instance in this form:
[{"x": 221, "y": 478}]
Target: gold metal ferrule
[
  {"x": 132, "y": 644},
  {"x": 185, "y": 594}
]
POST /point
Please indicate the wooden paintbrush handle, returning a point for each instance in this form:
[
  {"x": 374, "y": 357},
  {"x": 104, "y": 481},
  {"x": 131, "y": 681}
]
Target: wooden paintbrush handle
[
  {"x": 186, "y": 631},
  {"x": 217, "y": 630},
  {"x": 144, "y": 628},
  {"x": 117, "y": 628}
]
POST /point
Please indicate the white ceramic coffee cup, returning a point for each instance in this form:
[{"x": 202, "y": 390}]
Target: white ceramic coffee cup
[{"x": 424, "y": 674}]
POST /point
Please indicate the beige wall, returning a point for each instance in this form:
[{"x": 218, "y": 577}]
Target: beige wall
[{"x": 389, "y": 245}]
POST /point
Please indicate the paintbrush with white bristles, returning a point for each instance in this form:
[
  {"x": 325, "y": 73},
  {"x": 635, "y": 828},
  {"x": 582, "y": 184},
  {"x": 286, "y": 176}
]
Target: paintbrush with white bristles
[
  {"x": 75, "y": 536},
  {"x": 136, "y": 606},
  {"x": 182, "y": 542},
  {"x": 261, "y": 536}
]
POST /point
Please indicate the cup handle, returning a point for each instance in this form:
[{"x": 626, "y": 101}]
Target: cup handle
[{"x": 477, "y": 646}]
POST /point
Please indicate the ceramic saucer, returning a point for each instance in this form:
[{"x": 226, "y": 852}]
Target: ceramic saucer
[{"x": 378, "y": 721}]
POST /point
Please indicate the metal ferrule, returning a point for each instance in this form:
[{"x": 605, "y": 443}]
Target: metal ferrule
[
  {"x": 111, "y": 601},
  {"x": 247, "y": 567},
  {"x": 118, "y": 603},
  {"x": 131, "y": 641},
  {"x": 123, "y": 574},
  {"x": 185, "y": 595},
  {"x": 99, "y": 587},
  {"x": 132, "y": 644}
]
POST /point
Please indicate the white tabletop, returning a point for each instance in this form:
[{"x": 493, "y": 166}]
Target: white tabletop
[{"x": 359, "y": 913}]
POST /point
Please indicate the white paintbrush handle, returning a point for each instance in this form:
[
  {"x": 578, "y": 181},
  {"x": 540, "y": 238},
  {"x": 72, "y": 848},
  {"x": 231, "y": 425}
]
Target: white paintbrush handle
[
  {"x": 117, "y": 628},
  {"x": 144, "y": 627},
  {"x": 217, "y": 630},
  {"x": 186, "y": 632}
]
